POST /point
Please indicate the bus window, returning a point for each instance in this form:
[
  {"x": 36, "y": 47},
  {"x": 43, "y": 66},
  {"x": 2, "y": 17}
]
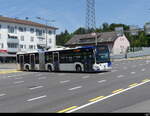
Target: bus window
[{"x": 36, "y": 58}]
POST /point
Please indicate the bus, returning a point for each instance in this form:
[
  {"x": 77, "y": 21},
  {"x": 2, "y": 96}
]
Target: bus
[{"x": 79, "y": 59}]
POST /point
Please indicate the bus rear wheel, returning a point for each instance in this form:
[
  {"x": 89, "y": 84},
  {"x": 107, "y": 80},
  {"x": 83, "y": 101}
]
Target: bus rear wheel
[
  {"x": 49, "y": 69},
  {"x": 78, "y": 68},
  {"x": 27, "y": 68}
]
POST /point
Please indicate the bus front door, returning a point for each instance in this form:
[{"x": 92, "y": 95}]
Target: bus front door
[
  {"x": 56, "y": 61},
  {"x": 32, "y": 61},
  {"x": 21, "y": 62}
]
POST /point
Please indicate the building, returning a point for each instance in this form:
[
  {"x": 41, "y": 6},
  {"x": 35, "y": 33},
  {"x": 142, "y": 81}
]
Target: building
[
  {"x": 117, "y": 44},
  {"x": 23, "y": 35}
]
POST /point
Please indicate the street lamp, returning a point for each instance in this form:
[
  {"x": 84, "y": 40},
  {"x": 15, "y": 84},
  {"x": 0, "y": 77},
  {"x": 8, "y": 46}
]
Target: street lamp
[{"x": 46, "y": 27}]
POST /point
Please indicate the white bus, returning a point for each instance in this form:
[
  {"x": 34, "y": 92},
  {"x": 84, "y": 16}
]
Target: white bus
[{"x": 79, "y": 59}]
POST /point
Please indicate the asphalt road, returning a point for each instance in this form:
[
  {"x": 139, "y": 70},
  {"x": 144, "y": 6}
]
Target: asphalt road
[{"x": 125, "y": 89}]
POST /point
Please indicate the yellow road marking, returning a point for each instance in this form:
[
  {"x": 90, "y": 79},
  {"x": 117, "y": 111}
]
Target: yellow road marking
[
  {"x": 132, "y": 85},
  {"x": 146, "y": 80},
  {"x": 65, "y": 110},
  {"x": 116, "y": 91},
  {"x": 97, "y": 98},
  {"x": 6, "y": 72}
]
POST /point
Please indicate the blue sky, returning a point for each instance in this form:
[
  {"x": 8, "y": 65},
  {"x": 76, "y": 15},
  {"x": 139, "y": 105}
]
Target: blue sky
[{"x": 70, "y": 14}]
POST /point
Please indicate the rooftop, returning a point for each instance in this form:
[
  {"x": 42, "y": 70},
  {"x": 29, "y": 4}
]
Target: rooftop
[
  {"x": 90, "y": 38},
  {"x": 24, "y": 22}
]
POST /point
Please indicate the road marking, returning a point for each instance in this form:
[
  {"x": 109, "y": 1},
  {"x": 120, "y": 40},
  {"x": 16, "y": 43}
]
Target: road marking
[
  {"x": 75, "y": 88},
  {"x": 18, "y": 82},
  {"x": 64, "y": 81},
  {"x": 7, "y": 72},
  {"x": 120, "y": 76},
  {"x": 132, "y": 85},
  {"x": 2, "y": 95},
  {"x": 109, "y": 96},
  {"x": 36, "y": 98},
  {"x": 65, "y": 110},
  {"x": 133, "y": 72},
  {"x": 38, "y": 87},
  {"x": 85, "y": 77},
  {"x": 114, "y": 70},
  {"x": 146, "y": 80},
  {"x": 97, "y": 98},
  {"x": 42, "y": 78},
  {"x": 118, "y": 90},
  {"x": 143, "y": 70},
  {"x": 102, "y": 81}
]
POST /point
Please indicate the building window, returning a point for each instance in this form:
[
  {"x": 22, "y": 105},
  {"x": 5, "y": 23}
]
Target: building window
[
  {"x": 22, "y": 38},
  {"x": 38, "y": 32},
  {"x": 50, "y": 41},
  {"x": 32, "y": 39},
  {"x": 11, "y": 29},
  {"x": 49, "y": 32},
  {"x": 1, "y": 45},
  {"x": 21, "y": 46},
  {"x": 31, "y": 46},
  {"x": 32, "y": 30},
  {"x": 24, "y": 46},
  {"x": 12, "y": 45},
  {"x": 20, "y": 29}
]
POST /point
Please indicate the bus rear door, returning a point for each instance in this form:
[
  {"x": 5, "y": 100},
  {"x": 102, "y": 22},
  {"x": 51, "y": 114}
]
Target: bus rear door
[
  {"x": 56, "y": 61},
  {"x": 32, "y": 61}
]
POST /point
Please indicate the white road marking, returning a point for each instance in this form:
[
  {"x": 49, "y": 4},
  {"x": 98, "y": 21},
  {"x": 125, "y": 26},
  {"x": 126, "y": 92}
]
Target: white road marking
[
  {"x": 75, "y": 88},
  {"x": 19, "y": 78},
  {"x": 133, "y": 72},
  {"x": 42, "y": 78},
  {"x": 64, "y": 81},
  {"x": 85, "y": 77},
  {"x": 120, "y": 76},
  {"x": 2, "y": 94},
  {"x": 102, "y": 81},
  {"x": 38, "y": 87},
  {"x": 18, "y": 82},
  {"x": 101, "y": 73},
  {"x": 109, "y": 96},
  {"x": 143, "y": 70},
  {"x": 114, "y": 70},
  {"x": 36, "y": 98}
]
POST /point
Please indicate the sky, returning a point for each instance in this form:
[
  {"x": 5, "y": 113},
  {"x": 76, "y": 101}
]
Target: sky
[{"x": 70, "y": 14}]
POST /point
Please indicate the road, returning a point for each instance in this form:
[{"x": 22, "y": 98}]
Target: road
[{"x": 124, "y": 89}]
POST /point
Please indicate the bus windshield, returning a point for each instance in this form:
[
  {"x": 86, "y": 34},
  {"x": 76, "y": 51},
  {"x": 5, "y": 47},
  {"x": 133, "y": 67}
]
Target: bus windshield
[{"x": 102, "y": 54}]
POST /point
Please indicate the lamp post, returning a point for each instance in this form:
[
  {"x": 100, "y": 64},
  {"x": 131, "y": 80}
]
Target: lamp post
[{"x": 46, "y": 27}]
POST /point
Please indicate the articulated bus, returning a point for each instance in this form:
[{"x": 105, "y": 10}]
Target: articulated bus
[{"x": 79, "y": 59}]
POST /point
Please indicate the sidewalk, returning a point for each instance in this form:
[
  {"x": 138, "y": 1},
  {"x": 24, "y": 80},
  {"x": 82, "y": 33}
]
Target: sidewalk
[{"x": 135, "y": 58}]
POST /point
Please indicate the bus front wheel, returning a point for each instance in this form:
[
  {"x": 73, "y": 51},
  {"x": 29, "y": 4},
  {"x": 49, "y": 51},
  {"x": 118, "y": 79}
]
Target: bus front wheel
[{"x": 78, "y": 68}]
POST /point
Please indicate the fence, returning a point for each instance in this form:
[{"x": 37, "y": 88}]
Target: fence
[{"x": 138, "y": 52}]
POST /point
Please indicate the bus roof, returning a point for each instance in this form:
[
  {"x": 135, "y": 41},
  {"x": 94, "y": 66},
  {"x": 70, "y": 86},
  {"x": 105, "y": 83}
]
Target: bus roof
[{"x": 57, "y": 49}]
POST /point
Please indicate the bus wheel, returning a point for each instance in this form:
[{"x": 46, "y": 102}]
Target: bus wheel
[
  {"x": 49, "y": 69},
  {"x": 27, "y": 68},
  {"x": 78, "y": 68}
]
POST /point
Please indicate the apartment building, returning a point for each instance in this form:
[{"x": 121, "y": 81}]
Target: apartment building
[{"x": 23, "y": 35}]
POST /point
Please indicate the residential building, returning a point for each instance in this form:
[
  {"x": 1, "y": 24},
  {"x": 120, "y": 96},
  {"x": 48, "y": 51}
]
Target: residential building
[
  {"x": 24, "y": 35},
  {"x": 117, "y": 44}
]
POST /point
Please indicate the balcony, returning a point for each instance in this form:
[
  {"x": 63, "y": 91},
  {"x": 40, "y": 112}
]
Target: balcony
[{"x": 12, "y": 39}]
